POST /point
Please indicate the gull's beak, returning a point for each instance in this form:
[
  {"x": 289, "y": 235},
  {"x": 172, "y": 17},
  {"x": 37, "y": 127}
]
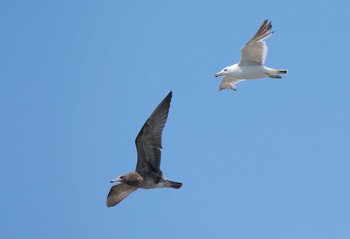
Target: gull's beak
[
  {"x": 116, "y": 180},
  {"x": 218, "y": 74}
]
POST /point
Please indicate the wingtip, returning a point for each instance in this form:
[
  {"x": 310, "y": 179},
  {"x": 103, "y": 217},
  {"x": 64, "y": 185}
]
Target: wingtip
[
  {"x": 111, "y": 204},
  {"x": 266, "y": 22},
  {"x": 170, "y": 95}
]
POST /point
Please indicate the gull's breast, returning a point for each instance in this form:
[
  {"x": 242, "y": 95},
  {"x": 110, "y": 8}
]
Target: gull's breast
[
  {"x": 248, "y": 72},
  {"x": 153, "y": 183}
]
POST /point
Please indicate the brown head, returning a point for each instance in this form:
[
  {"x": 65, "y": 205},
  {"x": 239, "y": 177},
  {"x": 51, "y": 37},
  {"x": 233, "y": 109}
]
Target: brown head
[{"x": 131, "y": 179}]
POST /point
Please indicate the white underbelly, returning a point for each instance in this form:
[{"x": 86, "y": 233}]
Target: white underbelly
[
  {"x": 150, "y": 183},
  {"x": 249, "y": 72}
]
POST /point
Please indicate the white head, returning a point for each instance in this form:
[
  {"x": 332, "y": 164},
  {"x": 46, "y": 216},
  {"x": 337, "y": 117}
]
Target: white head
[{"x": 222, "y": 72}]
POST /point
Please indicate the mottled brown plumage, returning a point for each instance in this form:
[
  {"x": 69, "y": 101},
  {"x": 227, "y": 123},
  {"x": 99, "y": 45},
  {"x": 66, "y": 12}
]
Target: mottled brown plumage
[{"x": 148, "y": 144}]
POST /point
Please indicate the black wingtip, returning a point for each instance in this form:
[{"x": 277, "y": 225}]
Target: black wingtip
[
  {"x": 169, "y": 95},
  {"x": 175, "y": 185}
]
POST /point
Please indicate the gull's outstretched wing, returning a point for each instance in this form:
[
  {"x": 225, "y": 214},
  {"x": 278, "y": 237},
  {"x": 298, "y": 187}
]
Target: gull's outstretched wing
[
  {"x": 229, "y": 83},
  {"x": 149, "y": 140},
  {"x": 118, "y": 193},
  {"x": 255, "y": 51}
]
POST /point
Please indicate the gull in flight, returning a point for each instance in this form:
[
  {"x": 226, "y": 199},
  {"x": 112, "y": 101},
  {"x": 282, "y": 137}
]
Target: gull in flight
[
  {"x": 148, "y": 144},
  {"x": 251, "y": 65}
]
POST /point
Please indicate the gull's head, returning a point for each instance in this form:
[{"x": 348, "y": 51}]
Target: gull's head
[
  {"x": 128, "y": 178},
  {"x": 119, "y": 179},
  {"x": 222, "y": 72}
]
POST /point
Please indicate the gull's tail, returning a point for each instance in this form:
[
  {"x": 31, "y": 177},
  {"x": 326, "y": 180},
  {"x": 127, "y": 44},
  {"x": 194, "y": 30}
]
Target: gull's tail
[
  {"x": 172, "y": 184},
  {"x": 284, "y": 71},
  {"x": 272, "y": 73}
]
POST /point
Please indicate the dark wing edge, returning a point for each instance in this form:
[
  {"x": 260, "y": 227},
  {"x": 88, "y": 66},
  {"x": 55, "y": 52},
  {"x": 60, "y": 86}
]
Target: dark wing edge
[
  {"x": 263, "y": 32},
  {"x": 118, "y": 193},
  {"x": 149, "y": 139},
  {"x": 253, "y": 51}
]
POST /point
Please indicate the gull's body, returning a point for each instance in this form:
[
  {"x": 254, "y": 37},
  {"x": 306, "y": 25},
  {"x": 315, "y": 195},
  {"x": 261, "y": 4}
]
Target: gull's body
[
  {"x": 251, "y": 65},
  {"x": 148, "y": 144}
]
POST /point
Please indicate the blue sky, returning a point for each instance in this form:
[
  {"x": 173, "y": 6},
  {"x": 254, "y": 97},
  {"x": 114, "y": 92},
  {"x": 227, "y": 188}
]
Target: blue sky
[{"x": 79, "y": 78}]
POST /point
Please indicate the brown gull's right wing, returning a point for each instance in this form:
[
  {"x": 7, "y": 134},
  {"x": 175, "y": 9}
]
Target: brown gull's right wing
[
  {"x": 118, "y": 193},
  {"x": 149, "y": 140}
]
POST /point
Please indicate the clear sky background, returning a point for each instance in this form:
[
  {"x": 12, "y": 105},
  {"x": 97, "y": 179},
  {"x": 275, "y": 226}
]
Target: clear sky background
[{"x": 79, "y": 78}]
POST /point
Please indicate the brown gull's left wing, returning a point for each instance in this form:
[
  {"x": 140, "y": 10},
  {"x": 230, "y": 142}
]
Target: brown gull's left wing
[{"x": 149, "y": 140}]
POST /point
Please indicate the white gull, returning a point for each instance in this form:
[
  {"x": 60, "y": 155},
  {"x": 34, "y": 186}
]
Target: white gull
[{"x": 251, "y": 65}]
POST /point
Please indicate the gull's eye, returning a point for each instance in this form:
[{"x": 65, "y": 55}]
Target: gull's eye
[{"x": 225, "y": 69}]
